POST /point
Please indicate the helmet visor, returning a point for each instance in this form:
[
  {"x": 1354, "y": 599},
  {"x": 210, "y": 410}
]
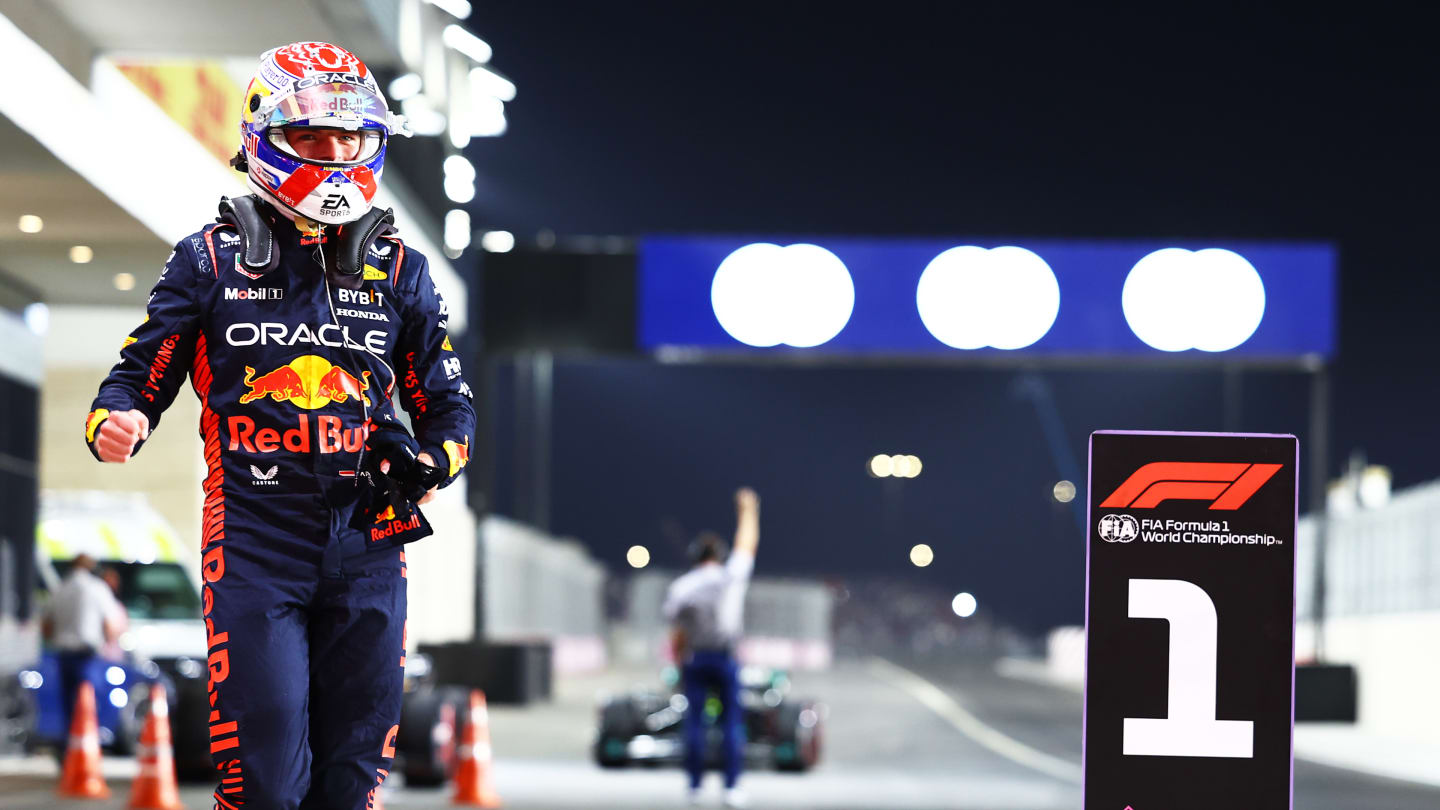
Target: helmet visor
[
  {"x": 327, "y": 146},
  {"x": 335, "y": 105}
]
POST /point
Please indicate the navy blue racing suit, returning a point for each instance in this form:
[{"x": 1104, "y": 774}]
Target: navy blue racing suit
[{"x": 305, "y": 615}]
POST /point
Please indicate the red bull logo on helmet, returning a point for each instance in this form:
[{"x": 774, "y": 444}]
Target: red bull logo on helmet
[{"x": 308, "y": 382}]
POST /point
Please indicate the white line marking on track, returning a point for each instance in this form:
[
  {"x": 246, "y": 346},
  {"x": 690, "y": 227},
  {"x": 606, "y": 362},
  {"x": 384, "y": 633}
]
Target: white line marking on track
[{"x": 940, "y": 702}]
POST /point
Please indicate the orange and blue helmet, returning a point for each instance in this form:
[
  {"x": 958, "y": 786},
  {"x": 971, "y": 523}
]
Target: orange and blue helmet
[{"x": 314, "y": 85}]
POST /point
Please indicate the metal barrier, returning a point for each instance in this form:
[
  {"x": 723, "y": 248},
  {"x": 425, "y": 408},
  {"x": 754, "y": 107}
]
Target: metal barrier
[
  {"x": 1384, "y": 560},
  {"x": 539, "y": 587}
]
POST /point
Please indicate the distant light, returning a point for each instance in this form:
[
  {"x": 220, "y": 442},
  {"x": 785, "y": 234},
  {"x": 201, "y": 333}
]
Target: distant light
[
  {"x": 455, "y": 8},
  {"x": 964, "y": 605},
  {"x": 767, "y": 295},
  {"x": 460, "y": 168},
  {"x": 900, "y": 466},
  {"x": 498, "y": 241},
  {"x": 1176, "y": 299},
  {"x": 118, "y": 697},
  {"x": 487, "y": 115},
  {"x": 459, "y": 191},
  {"x": 970, "y": 298},
  {"x": 405, "y": 86},
  {"x": 114, "y": 676},
  {"x": 190, "y": 668},
  {"x": 30, "y": 679},
  {"x": 487, "y": 80},
  {"x": 37, "y": 317},
  {"x": 545, "y": 238},
  {"x": 881, "y": 466},
  {"x": 638, "y": 556},
  {"x": 915, "y": 466},
  {"x": 922, "y": 555},
  {"x": 81, "y": 254},
  {"x": 124, "y": 282},
  {"x": 457, "y": 229},
  {"x": 29, "y": 223},
  {"x": 422, "y": 116},
  {"x": 1374, "y": 490},
  {"x": 1064, "y": 491},
  {"x": 467, "y": 43}
]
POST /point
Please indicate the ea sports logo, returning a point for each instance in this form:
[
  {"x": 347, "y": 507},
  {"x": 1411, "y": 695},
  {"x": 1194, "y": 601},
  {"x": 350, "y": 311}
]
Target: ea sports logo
[
  {"x": 317, "y": 57},
  {"x": 1119, "y": 528}
]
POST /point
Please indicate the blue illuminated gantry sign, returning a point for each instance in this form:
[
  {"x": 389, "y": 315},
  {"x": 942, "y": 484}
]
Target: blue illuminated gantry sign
[{"x": 934, "y": 297}]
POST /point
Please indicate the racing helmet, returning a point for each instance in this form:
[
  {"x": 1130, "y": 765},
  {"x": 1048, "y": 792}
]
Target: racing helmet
[{"x": 314, "y": 84}]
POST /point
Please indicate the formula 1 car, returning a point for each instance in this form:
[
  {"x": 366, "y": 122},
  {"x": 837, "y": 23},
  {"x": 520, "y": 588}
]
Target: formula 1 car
[{"x": 645, "y": 727}]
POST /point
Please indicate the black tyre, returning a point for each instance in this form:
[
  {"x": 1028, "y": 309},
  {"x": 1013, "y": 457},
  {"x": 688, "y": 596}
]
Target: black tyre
[
  {"x": 18, "y": 716},
  {"x": 798, "y": 734},
  {"x": 620, "y": 721},
  {"x": 425, "y": 744}
]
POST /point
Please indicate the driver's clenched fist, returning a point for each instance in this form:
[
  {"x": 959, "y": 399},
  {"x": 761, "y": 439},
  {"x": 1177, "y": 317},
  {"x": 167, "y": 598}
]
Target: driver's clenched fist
[{"x": 117, "y": 436}]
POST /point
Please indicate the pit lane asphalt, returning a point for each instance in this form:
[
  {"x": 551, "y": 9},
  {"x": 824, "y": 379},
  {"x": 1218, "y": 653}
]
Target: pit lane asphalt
[{"x": 884, "y": 750}]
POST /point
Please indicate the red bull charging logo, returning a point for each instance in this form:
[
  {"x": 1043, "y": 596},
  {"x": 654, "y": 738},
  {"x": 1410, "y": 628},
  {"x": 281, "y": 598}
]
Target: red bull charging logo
[{"x": 308, "y": 382}]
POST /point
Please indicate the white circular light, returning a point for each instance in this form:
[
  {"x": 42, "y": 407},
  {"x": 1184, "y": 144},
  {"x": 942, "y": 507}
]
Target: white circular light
[
  {"x": 766, "y": 295},
  {"x": 118, "y": 698},
  {"x": 1064, "y": 491},
  {"x": 114, "y": 676},
  {"x": 638, "y": 556},
  {"x": 971, "y": 298},
  {"x": 922, "y": 555},
  {"x": 405, "y": 86},
  {"x": 964, "y": 605},
  {"x": 901, "y": 466},
  {"x": 124, "y": 282},
  {"x": 81, "y": 254},
  {"x": 29, "y": 223},
  {"x": 882, "y": 467},
  {"x": 37, "y": 317},
  {"x": 457, "y": 229},
  {"x": 458, "y": 189},
  {"x": 1175, "y": 299},
  {"x": 498, "y": 241}
]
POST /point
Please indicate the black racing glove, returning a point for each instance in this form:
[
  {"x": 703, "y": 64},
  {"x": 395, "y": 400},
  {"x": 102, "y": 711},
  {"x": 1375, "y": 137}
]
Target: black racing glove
[{"x": 393, "y": 457}]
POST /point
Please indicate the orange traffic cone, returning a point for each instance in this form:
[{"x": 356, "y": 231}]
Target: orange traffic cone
[
  {"x": 81, "y": 777},
  {"x": 473, "y": 785},
  {"x": 155, "y": 787}
]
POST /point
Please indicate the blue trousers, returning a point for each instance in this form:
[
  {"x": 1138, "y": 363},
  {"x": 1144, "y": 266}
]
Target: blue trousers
[
  {"x": 713, "y": 672},
  {"x": 74, "y": 670},
  {"x": 306, "y": 632}
]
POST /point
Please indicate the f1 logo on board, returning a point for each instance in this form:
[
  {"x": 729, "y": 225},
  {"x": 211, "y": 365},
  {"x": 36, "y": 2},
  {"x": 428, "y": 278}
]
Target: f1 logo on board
[{"x": 1226, "y": 485}]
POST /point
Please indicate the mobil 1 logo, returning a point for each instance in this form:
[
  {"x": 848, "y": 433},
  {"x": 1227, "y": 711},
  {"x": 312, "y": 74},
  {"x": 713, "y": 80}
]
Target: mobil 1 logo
[{"x": 1190, "y": 619}]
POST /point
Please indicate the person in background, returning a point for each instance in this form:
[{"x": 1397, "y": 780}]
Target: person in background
[
  {"x": 705, "y": 607},
  {"x": 78, "y": 622},
  {"x": 112, "y": 650}
]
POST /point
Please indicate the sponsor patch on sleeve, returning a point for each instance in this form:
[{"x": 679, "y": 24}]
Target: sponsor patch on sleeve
[
  {"x": 459, "y": 455},
  {"x": 93, "y": 421}
]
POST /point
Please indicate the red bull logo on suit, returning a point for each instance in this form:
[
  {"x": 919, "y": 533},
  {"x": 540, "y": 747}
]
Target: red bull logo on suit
[{"x": 308, "y": 382}]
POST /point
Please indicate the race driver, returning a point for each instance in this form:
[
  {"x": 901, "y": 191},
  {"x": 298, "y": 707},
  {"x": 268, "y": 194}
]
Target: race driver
[{"x": 300, "y": 321}]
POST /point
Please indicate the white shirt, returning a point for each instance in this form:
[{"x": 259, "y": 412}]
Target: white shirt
[
  {"x": 79, "y": 609},
  {"x": 708, "y": 602}
]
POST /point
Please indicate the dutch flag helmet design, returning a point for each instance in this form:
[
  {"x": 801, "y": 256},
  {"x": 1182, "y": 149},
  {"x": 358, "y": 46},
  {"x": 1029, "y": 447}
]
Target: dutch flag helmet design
[{"x": 314, "y": 84}]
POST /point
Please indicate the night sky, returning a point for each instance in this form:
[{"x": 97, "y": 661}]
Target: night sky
[{"x": 948, "y": 118}]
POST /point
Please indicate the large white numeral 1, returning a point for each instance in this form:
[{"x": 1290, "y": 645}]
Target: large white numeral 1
[{"x": 1190, "y": 729}]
